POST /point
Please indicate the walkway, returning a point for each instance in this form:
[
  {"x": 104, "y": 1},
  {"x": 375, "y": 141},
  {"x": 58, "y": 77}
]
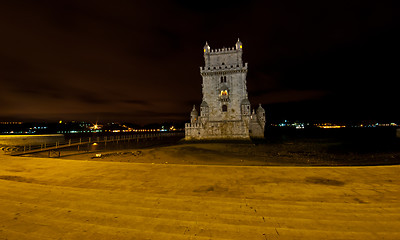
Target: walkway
[
  {"x": 70, "y": 199},
  {"x": 85, "y": 141}
]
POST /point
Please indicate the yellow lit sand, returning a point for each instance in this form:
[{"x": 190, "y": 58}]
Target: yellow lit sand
[{"x": 42, "y": 198}]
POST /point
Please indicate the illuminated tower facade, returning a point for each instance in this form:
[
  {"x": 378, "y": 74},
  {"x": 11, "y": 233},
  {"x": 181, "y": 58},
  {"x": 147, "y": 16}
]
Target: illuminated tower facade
[{"x": 225, "y": 111}]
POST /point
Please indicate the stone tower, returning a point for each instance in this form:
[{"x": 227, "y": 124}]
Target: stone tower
[{"x": 225, "y": 112}]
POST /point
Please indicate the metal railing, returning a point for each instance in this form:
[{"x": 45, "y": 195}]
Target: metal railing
[{"x": 26, "y": 149}]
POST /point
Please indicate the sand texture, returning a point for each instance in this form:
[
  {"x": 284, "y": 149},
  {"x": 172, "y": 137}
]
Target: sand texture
[{"x": 50, "y": 198}]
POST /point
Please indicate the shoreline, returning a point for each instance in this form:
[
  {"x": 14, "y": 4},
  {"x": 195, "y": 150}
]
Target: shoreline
[{"x": 228, "y": 154}]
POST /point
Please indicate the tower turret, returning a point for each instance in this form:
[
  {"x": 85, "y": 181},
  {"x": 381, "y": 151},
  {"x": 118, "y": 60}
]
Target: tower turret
[
  {"x": 239, "y": 45},
  {"x": 206, "y": 48},
  {"x": 239, "y": 49},
  {"x": 256, "y": 128},
  {"x": 204, "y": 109},
  {"x": 207, "y": 57},
  {"x": 245, "y": 107},
  {"x": 194, "y": 115},
  {"x": 261, "y": 115}
]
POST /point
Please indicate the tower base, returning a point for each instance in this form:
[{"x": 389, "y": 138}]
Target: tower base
[{"x": 217, "y": 130}]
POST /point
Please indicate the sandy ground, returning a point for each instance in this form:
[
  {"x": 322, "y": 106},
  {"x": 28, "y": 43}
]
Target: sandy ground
[
  {"x": 56, "y": 198},
  {"x": 239, "y": 154}
]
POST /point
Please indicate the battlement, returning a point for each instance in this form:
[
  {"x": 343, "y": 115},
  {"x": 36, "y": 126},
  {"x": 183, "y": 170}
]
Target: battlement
[
  {"x": 193, "y": 125},
  {"x": 236, "y": 49},
  {"x": 222, "y": 51},
  {"x": 224, "y": 68},
  {"x": 225, "y": 108}
]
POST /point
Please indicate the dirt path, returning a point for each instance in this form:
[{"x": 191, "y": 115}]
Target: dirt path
[{"x": 75, "y": 199}]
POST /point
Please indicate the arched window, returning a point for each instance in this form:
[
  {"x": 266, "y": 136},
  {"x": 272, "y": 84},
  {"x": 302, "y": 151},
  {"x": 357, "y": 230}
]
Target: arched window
[
  {"x": 224, "y": 108},
  {"x": 222, "y": 79}
]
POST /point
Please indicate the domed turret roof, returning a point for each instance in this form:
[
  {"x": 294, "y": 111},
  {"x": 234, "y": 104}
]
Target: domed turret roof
[
  {"x": 204, "y": 104},
  {"x": 245, "y": 102},
  {"x": 260, "y": 109},
  {"x": 194, "y": 111}
]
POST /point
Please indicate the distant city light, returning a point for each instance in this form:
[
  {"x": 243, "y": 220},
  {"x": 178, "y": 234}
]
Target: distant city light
[
  {"x": 333, "y": 126},
  {"x": 11, "y": 123},
  {"x": 75, "y": 127}
]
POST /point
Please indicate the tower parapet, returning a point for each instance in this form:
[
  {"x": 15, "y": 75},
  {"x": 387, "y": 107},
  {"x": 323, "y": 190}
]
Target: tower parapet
[
  {"x": 225, "y": 112},
  {"x": 223, "y": 69},
  {"x": 222, "y": 57}
]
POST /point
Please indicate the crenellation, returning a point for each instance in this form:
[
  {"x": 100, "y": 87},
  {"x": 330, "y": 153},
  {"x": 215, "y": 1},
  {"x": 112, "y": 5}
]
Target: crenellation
[{"x": 225, "y": 110}]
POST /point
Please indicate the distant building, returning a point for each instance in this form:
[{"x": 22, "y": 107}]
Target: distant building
[{"x": 225, "y": 112}]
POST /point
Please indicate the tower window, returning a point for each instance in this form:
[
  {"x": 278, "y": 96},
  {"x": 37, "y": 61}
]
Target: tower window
[
  {"x": 224, "y": 108},
  {"x": 223, "y": 79}
]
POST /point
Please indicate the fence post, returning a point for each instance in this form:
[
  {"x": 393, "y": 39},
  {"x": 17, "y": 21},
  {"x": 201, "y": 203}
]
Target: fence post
[{"x": 90, "y": 139}]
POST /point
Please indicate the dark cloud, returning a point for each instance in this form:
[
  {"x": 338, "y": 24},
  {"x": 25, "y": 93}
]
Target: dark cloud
[
  {"x": 139, "y": 61},
  {"x": 91, "y": 99},
  {"x": 136, "y": 102}
]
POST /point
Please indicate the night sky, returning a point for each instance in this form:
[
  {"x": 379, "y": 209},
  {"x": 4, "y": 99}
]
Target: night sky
[{"x": 138, "y": 61}]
